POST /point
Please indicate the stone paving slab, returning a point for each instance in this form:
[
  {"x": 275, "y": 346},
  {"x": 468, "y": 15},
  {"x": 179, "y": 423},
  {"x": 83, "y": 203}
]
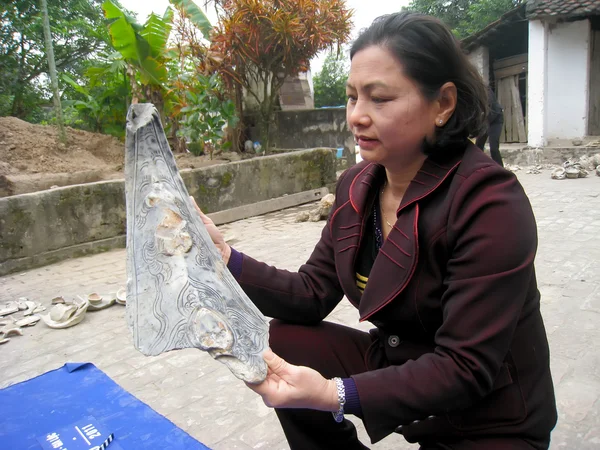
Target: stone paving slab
[{"x": 202, "y": 397}]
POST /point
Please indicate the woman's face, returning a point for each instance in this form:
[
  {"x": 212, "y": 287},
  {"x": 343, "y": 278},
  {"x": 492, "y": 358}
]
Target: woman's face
[{"x": 386, "y": 112}]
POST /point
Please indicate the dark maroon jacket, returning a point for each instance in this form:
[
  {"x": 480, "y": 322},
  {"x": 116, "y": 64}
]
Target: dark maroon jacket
[{"x": 454, "y": 281}]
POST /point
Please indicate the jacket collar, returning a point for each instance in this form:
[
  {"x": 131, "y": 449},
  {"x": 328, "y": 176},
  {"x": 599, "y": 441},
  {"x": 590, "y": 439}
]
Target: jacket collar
[
  {"x": 433, "y": 172},
  {"x": 399, "y": 255}
]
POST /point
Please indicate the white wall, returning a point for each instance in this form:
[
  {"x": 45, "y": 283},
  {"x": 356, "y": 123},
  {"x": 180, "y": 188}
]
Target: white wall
[
  {"x": 480, "y": 58},
  {"x": 537, "y": 69},
  {"x": 568, "y": 80}
]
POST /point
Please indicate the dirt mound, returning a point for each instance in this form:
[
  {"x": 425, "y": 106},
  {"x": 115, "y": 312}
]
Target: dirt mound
[
  {"x": 32, "y": 155},
  {"x": 29, "y": 148}
]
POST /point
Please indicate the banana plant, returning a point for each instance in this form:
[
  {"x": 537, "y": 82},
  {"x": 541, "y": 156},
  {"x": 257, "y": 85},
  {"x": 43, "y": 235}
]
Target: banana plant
[
  {"x": 91, "y": 108},
  {"x": 196, "y": 16},
  {"x": 144, "y": 48}
]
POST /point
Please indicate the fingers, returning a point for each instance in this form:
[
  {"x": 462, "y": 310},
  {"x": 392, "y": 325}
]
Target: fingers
[{"x": 276, "y": 364}]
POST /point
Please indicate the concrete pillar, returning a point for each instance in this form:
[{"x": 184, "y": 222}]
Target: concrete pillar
[
  {"x": 537, "y": 83},
  {"x": 568, "y": 71}
]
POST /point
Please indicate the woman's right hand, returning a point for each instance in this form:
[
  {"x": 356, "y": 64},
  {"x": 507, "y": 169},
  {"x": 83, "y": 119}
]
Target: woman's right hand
[{"x": 215, "y": 234}]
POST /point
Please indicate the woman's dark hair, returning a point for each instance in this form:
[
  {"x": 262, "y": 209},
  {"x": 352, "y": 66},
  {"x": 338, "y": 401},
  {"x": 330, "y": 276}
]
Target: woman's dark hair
[{"x": 431, "y": 56}]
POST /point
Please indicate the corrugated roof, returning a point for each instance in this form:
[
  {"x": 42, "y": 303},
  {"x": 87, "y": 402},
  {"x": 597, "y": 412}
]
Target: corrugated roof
[{"x": 540, "y": 9}]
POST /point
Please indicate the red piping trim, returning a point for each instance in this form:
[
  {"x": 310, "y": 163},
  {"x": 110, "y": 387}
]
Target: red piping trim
[
  {"x": 350, "y": 226},
  {"x": 412, "y": 269},
  {"x": 392, "y": 259},
  {"x": 430, "y": 174},
  {"x": 348, "y": 237},
  {"x": 352, "y": 186},
  {"x": 401, "y": 232},
  {"x": 348, "y": 248},
  {"x": 433, "y": 188},
  {"x": 437, "y": 165},
  {"x": 399, "y": 248},
  {"x": 333, "y": 217}
]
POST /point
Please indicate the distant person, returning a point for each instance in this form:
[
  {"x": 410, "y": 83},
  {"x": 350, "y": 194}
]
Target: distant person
[{"x": 495, "y": 122}]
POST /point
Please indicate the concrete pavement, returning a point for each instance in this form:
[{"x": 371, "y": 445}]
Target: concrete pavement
[{"x": 203, "y": 398}]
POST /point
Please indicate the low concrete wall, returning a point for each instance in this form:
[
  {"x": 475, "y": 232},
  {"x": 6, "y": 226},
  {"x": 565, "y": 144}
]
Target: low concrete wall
[
  {"x": 47, "y": 226},
  {"x": 312, "y": 128},
  {"x": 548, "y": 155}
]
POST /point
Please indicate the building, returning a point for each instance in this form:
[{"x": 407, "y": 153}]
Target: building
[{"x": 543, "y": 61}]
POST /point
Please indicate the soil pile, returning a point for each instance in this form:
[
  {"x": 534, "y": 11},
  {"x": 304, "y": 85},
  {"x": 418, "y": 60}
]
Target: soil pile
[
  {"x": 33, "y": 158},
  {"x": 30, "y": 148}
]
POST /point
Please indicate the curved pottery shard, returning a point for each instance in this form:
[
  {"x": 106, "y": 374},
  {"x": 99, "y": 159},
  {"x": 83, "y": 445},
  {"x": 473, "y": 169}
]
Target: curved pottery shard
[{"x": 180, "y": 294}]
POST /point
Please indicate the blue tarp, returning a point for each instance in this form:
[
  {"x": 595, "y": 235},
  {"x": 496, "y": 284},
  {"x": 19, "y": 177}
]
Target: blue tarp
[{"x": 61, "y": 397}]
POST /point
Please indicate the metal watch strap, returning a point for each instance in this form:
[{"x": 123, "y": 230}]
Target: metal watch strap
[{"x": 341, "y": 393}]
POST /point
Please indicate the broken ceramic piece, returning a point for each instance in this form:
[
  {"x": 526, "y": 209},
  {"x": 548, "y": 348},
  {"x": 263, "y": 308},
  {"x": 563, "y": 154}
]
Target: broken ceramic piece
[
  {"x": 121, "y": 296},
  {"x": 31, "y": 306},
  {"x": 57, "y": 300},
  {"x": 4, "y": 341},
  {"x": 558, "y": 174},
  {"x": 65, "y": 316},
  {"x": 28, "y": 321},
  {"x": 97, "y": 302},
  {"x": 94, "y": 298},
  {"x": 9, "y": 308},
  {"x": 180, "y": 293},
  {"x": 62, "y": 312},
  {"x": 13, "y": 331}
]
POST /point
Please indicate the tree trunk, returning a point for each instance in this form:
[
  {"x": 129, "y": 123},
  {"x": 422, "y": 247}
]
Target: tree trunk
[{"x": 53, "y": 77}]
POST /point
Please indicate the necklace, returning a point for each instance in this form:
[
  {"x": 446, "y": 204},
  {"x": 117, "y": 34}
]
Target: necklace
[{"x": 381, "y": 206}]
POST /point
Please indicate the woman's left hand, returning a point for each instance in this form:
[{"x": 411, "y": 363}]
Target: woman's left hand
[{"x": 289, "y": 386}]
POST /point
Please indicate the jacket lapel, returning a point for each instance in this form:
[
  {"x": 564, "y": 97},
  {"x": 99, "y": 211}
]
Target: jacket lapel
[
  {"x": 398, "y": 257},
  {"x": 347, "y": 235}
]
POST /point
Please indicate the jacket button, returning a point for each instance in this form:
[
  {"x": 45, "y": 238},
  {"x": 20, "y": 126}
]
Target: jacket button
[{"x": 394, "y": 341}]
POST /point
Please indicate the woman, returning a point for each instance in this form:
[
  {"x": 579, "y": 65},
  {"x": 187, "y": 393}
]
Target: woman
[
  {"x": 495, "y": 122},
  {"x": 434, "y": 244}
]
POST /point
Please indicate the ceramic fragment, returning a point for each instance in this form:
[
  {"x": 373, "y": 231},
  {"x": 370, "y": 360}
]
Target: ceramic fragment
[
  {"x": 39, "y": 308},
  {"x": 180, "y": 293},
  {"x": 97, "y": 302},
  {"x": 64, "y": 316},
  {"x": 9, "y": 308},
  {"x": 30, "y": 308},
  {"x": 27, "y": 321},
  {"x": 15, "y": 331},
  {"x": 62, "y": 312},
  {"x": 558, "y": 174},
  {"x": 121, "y": 296}
]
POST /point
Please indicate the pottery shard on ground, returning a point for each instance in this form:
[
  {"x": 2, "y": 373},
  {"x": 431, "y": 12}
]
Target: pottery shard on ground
[{"x": 180, "y": 293}]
